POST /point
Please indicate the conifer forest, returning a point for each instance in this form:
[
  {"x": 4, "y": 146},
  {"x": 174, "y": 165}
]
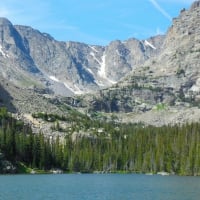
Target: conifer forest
[{"x": 118, "y": 148}]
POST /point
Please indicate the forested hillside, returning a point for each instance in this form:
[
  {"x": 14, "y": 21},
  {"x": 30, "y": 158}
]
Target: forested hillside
[{"x": 112, "y": 147}]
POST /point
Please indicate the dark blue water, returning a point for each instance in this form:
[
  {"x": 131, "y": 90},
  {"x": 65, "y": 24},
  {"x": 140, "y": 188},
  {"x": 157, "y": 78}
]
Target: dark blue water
[{"x": 99, "y": 187}]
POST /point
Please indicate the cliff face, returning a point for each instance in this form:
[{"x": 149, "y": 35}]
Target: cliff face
[
  {"x": 169, "y": 80},
  {"x": 131, "y": 76},
  {"x": 14, "y": 54},
  {"x": 33, "y": 59}
]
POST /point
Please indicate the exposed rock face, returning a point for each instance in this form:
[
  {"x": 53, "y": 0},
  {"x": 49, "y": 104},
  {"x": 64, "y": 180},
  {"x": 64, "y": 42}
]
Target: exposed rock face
[
  {"x": 163, "y": 71},
  {"x": 196, "y": 4},
  {"x": 13, "y": 49},
  {"x": 179, "y": 59},
  {"x": 171, "y": 78},
  {"x": 123, "y": 57},
  {"x": 68, "y": 67}
]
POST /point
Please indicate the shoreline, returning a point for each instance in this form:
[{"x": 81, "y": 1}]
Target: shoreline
[{"x": 60, "y": 172}]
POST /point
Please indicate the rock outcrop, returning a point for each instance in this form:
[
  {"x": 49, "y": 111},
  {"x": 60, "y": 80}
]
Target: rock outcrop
[
  {"x": 169, "y": 79},
  {"x": 159, "y": 73},
  {"x": 33, "y": 59}
]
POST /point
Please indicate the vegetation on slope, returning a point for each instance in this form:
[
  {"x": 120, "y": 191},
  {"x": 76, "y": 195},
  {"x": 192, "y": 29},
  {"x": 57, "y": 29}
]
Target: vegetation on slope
[{"x": 112, "y": 147}]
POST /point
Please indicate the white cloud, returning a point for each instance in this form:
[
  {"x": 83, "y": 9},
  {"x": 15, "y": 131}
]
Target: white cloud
[{"x": 160, "y": 9}]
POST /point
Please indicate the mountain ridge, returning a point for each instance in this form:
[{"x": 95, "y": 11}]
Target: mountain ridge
[
  {"x": 167, "y": 83},
  {"x": 132, "y": 76},
  {"x": 76, "y": 67}
]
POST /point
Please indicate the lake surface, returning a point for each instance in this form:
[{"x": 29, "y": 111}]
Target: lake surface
[{"x": 99, "y": 187}]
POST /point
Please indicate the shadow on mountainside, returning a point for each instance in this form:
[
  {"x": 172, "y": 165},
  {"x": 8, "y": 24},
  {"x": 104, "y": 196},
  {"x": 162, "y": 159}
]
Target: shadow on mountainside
[{"x": 6, "y": 100}]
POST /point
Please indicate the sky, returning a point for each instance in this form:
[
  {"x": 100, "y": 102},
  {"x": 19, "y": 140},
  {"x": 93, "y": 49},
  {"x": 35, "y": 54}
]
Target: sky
[{"x": 96, "y": 22}]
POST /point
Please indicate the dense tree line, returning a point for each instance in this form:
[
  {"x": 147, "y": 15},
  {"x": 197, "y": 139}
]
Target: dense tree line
[{"x": 118, "y": 147}]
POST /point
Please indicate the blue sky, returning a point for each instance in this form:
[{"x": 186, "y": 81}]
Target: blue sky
[{"x": 94, "y": 21}]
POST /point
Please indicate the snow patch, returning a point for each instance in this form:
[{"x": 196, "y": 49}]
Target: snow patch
[
  {"x": 75, "y": 90},
  {"x": 99, "y": 83},
  {"x": 149, "y": 44},
  {"x": 68, "y": 87},
  {"x": 95, "y": 58},
  {"x": 119, "y": 54},
  {"x": 102, "y": 71},
  {"x": 93, "y": 48},
  {"x": 5, "y": 55},
  {"x": 89, "y": 70},
  {"x": 53, "y": 78},
  {"x": 111, "y": 81},
  {"x": 78, "y": 91}
]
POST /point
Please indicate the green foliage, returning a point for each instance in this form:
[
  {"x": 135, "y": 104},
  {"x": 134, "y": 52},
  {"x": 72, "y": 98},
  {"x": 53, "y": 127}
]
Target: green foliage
[
  {"x": 161, "y": 106},
  {"x": 112, "y": 147},
  {"x": 49, "y": 117},
  {"x": 22, "y": 168},
  {"x": 3, "y": 113},
  {"x": 195, "y": 51}
]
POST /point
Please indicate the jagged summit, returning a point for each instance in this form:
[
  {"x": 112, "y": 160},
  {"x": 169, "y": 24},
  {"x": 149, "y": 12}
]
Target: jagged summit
[
  {"x": 69, "y": 67},
  {"x": 159, "y": 70},
  {"x": 195, "y": 5},
  {"x": 4, "y": 22},
  {"x": 169, "y": 81}
]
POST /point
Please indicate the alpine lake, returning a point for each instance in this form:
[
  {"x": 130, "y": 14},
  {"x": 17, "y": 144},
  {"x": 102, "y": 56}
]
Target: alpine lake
[{"x": 99, "y": 187}]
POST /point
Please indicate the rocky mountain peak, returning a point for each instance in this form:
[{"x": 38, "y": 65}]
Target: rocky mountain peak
[
  {"x": 5, "y": 22},
  {"x": 181, "y": 46},
  {"x": 195, "y": 5},
  {"x": 169, "y": 78},
  {"x": 16, "y": 63},
  {"x": 163, "y": 71},
  {"x": 81, "y": 68},
  {"x": 70, "y": 66}
]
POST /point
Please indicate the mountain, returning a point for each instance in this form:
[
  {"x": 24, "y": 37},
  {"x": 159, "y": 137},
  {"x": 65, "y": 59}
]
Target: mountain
[
  {"x": 124, "y": 87},
  {"x": 163, "y": 89},
  {"x": 155, "y": 81},
  {"x": 33, "y": 59}
]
